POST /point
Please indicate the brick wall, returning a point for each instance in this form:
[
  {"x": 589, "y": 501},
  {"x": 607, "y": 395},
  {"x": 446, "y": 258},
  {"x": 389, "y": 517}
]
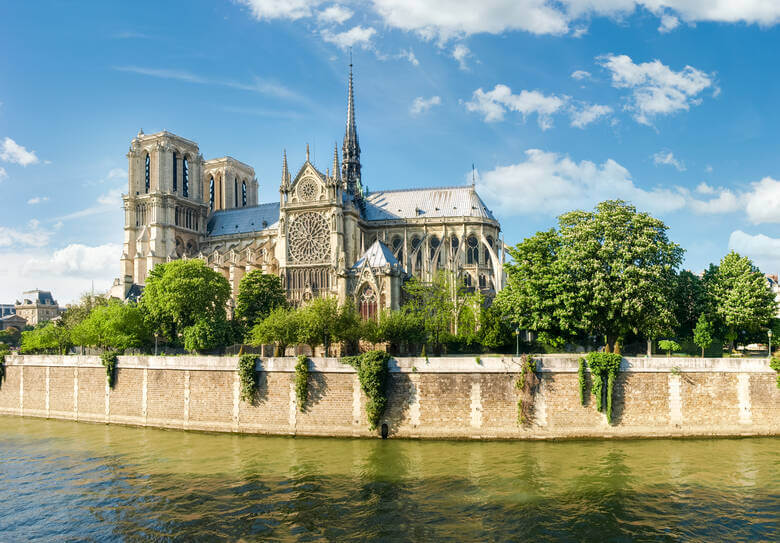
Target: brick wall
[{"x": 438, "y": 398}]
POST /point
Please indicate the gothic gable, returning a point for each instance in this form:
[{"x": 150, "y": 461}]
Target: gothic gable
[{"x": 309, "y": 185}]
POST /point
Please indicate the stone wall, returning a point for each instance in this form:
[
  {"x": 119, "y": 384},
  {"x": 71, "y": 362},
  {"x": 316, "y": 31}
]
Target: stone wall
[{"x": 436, "y": 398}]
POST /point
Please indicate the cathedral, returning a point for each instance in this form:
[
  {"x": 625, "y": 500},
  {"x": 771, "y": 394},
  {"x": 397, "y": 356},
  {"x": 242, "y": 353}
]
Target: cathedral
[{"x": 325, "y": 236}]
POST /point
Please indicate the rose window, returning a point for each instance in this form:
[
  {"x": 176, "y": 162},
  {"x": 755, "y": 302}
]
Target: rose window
[
  {"x": 307, "y": 190},
  {"x": 309, "y": 238}
]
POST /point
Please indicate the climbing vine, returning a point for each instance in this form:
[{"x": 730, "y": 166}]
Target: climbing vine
[
  {"x": 109, "y": 359},
  {"x": 247, "y": 363},
  {"x": 372, "y": 373},
  {"x": 526, "y": 383},
  {"x": 302, "y": 381},
  {"x": 3, "y": 351},
  {"x": 581, "y": 379},
  {"x": 775, "y": 365},
  {"x": 604, "y": 366}
]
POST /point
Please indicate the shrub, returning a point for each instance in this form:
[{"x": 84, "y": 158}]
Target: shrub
[
  {"x": 581, "y": 379},
  {"x": 527, "y": 384},
  {"x": 302, "y": 381},
  {"x": 109, "y": 359},
  {"x": 372, "y": 373},
  {"x": 247, "y": 364},
  {"x": 4, "y": 350},
  {"x": 775, "y": 365},
  {"x": 669, "y": 345},
  {"x": 604, "y": 366}
]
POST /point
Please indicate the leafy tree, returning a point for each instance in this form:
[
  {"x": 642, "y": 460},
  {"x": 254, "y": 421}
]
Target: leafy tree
[
  {"x": 319, "y": 323},
  {"x": 258, "y": 294},
  {"x": 10, "y": 336},
  {"x": 206, "y": 335},
  {"x": 740, "y": 296},
  {"x": 49, "y": 337},
  {"x": 703, "y": 333},
  {"x": 350, "y": 329},
  {"x": 181, "y": 293},
  {"x": 497, "y": 332},
  {"x": 689, "y": 302},
  {"x": 76, "y": 313},
  {"x": 281, "y": 327},
  {"x": 116, "y": 326},
  {"x": 400, "y": 328},
  {"x": 669, "y": 345}
]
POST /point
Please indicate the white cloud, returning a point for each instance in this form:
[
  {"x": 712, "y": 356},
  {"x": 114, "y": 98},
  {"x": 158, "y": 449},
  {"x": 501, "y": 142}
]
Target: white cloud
[
  {"x": 762, "y": 204},
  {"x": 78, "y": 260},
  {"x": 726, "y": 201},
  {"x": 408, "y": 54},
  {"x": 421, "y": 104},
  {"x": 357, "y": 35},
  {"x": 761, "y": 249},
  {"x": 32, "y": 236},
  {"x": 3, "y": 174},
  {"x": 579, "y": 75},
  {"x": 655, "y": 88},
  {"x": 108, "y": 202},
  {"x": 37, "y": 200},
  {"x": 281, "y": 9},
  {"x": 495, "y": 103},
  {"x": 588, "y": 113},
  {"x": 335, "y": 14},
  {"x": 551, "y": 183},
  {"x": 668, "y": 23},
  {"x": 704, "y": 188},
  {"x": 12, "y": 152},
  {"x": 461, "y": 53},
  {"x": 667, "y": 158}
]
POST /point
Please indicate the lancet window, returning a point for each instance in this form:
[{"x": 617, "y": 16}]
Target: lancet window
[{"x": 185, "y": 178}]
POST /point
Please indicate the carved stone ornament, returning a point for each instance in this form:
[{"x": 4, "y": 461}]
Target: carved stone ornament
[
  {"x": 309, "y": 238},
  {"x": 307, "y": 189}
]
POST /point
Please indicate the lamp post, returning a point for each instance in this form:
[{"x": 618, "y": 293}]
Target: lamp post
[
  {"x": 769, "y": 352},
  {"x": 155, "y": 344},
  {"x": 517, "y": 342}
]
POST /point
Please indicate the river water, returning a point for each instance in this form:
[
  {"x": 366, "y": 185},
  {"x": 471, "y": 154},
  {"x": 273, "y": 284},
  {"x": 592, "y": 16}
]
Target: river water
[{"x": 76, "y": 481}]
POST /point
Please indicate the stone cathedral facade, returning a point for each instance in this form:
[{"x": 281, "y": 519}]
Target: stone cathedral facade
[{"x": 325, "y": 236}]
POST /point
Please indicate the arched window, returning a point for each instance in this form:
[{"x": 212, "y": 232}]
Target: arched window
[
  {"x": 482, "y": 281},
  {"x": 467, "y": 280},
  {"x": 243, "y": 193},
  {"x": 398, "y": 248},
  {"x": 235, "y": 192},
  {"x": 211, "y": 193},
  {"x": 434, "y": 246},
  {"x": 368, "y": 303},
  {"x": 175, "y": 172},
  {"x": 418, "y": 256},
  {"x": 488, "y": 261},
  {"x": 454, "y": 245},
  {"x": 472, "y": 250},
  {"x": 148, "y": 172},
  {"x": 185, "y": 178}
]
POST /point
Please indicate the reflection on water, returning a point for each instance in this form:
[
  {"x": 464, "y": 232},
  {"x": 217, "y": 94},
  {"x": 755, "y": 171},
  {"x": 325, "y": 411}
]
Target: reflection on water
[{"x": 64, "y": 480}]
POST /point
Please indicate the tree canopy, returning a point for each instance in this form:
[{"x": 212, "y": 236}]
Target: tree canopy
[
  {"x": 116, "y": 326},
  {"x": 258, "y": 294}
]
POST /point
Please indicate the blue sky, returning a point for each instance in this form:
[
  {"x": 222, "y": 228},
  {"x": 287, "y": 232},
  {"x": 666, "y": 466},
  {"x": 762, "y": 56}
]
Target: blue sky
[{"x": 670, "y": 104}]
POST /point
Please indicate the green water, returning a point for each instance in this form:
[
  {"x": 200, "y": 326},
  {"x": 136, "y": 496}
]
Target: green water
[{"x": 76, "y": 481}]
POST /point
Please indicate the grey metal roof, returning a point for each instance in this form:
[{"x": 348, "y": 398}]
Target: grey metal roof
[
  {"x": 418, "y": 203},
  {"x": 378, "y": 255},
  {"x": 244, "y": 219},
  {"x": 41, "y": 297}
]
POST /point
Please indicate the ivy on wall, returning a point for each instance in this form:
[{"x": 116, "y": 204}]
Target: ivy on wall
[
  {"x": 526, "y": 383},
  {"x": 604, "y": 367},
  {"x": 372, "y": 373},
  {"x": 247, "y": 375},
  {"x": 302, "y": 381},
  {"x": 775, "y": 365},
  {"x": 109, "y": 359},
  {"x": 3, "y": 351},
  {"x": 581, "y": 380}
]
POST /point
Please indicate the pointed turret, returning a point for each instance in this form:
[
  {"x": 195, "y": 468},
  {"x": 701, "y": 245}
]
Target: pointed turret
[
  {"x": 350, "y": 160},
  {"x": 336, "y": 175},
  {"x": 285, "y": 172},
  {"x": 307, "y": 152}
]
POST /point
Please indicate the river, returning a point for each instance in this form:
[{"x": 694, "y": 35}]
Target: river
[{"x": 75, "y": 481}]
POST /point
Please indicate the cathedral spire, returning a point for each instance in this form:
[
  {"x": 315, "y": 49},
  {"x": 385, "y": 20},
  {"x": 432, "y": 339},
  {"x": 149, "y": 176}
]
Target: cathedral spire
[
  {"x": 336, "y": 175},
  {"x": 285, "y": 171},
  {"x": 350, "y": 160}
]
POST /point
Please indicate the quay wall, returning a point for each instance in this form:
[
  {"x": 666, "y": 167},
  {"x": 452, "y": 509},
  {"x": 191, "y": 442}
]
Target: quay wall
[{"x": 444, "y": 398}]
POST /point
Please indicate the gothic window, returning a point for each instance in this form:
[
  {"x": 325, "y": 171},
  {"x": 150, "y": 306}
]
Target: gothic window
[
  {"x": 185, "y": 178},
  {"x": 211, "y": 193},
  {"x": 368, "y": 303},
  {"x": 418, "y": 257},
  {"x": 454, "y": 245},
  {"x": 482, "y": 281},
  {"x": 472, "y": 250},
  {"x": 176, "y": 216},
  {"x": 235, "y": 192},
  {"x": 307, "y": 190},
  {"x": 175, "y": 166},
  {"x": 467, "y": 280},
  {"x": 488, "y": 260},
  {"x": 243, "y": 193},
  {"x": 190, "y": 249},
  {"x": 147, "y": 172},
  {"x": 398, "y": 248},
  {"x": 309, "y": 238},
  {"x": 434, "y": 246}
]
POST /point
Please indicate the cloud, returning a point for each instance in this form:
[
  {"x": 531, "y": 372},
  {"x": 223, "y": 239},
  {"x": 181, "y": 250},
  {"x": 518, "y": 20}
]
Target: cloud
[
  {"x": 421, "y": 104},
  {"x": 108, "y": 202},
  {"x": 667, "y": 158},
  {"x": 259, "y": 85},
  {"x": 408, "y": 54},
  {"x": 461, "y": 53},
  {"x": 495, "y": 103},
  {"x": 668, "y": 23},
  {"x": 579, "y": 75},
  {"x": 335, "y": 14},
  {"x": 37, "y": 200},
  {"x": 357, "y": 35},
  {"x": 12, "y": 152},
  {"x": 551, "y": 183},
  {"x": 726, "y": 201},
  {"x": 281, "y": 9},
  {"x": 33, "y": 236},
  {"x": 761, "y": 249},
  {"x": 655, "y": 88},
  {"x": 762, "y": 203},
  {"x": 588, "y": 113},
  {"x": 3, "y": 174},
  {"x": 78, "y": 260}
]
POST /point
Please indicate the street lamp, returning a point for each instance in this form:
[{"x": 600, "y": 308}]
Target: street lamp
[
  {"x": 769, "y": 353},
  {"x": 517, "y": 342}
]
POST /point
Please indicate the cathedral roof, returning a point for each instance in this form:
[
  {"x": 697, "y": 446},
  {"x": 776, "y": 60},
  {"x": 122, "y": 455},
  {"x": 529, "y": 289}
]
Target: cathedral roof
[
  {"x": 378, "y": 255},
  {"x": 243, "y": 219},
  {"x": 431, "y": 202}
]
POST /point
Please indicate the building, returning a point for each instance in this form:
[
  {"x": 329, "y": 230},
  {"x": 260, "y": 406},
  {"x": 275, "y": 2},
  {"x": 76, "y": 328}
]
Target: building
[
  {"x": 12, "y": 321},
  {"x": 7, "y": 309},
  {"x": 37, "y": 306},
  {"x": 774, "y": 286},
  {"x": 326, "y": 234}
]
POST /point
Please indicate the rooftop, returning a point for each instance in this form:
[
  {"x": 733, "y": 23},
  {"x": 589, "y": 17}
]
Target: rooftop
[
  {"x": 244, "y": 219},
  {"x": 427, "y": 202}
]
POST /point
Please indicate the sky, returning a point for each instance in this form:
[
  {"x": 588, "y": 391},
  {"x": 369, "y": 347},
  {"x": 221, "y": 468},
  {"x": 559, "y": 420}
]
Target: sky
[{"x": 669, "y": 104}]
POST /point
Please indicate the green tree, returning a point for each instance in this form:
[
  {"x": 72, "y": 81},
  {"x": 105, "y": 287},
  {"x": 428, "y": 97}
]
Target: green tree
[
  {"x": 281, "y": 327},
  {"x": 206, "y": 335},
  {"x": 689, "y": 302},
  {"x": 669, "y": 345},
  {"x": 10, "y": 336},
  {"x": 116, "y": 326},
  {"x": 400, "y": 328},
  {"x": 181, "y": 293},
  {"x": 740, "y": 296},
  {"x": 350, "y": 328},
  {"x": 319, "y": 323},
  {"x": 703, "y": 333},
  {"x": 49, "y": 337},
  {"x": 76, "y": 313},
  {"x": 258, "y": 294}
]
